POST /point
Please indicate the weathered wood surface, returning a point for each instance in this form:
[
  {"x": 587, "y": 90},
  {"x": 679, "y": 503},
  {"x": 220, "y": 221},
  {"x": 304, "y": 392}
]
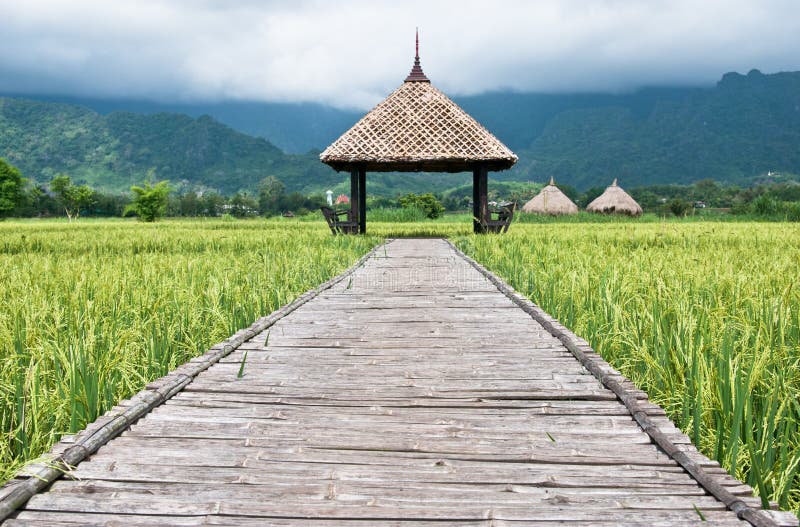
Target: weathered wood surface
[{"x": 413, "y": 394}]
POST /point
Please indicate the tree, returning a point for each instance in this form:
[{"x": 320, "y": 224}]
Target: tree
[
  {"x": 11, "y": 183},
  {"x": 428, "y": 203},
  {"x": 298, "y": 203},
  {"x": 212, "y": 204},
  {"x": 706, "y": 190},
  {"x": 242, "y": 204},
  {"x": 149, "y": 201},
  {"x": 72, "y": 197},
  {"x": 108, "y": 204},
  {"x": 189, "y": 204},
  {"x": 569, "y": 191},
  {"x": 679, "y": 207},
  {"x": 646, "y": 198},
  {"x": 589, "y": 196},
  {"x": 270, "y": 194}
]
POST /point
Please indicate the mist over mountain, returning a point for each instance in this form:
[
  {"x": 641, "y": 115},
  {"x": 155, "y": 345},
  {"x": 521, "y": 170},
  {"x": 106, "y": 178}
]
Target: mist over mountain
[
  {"x": 744, "y": 127},
  {"x": 516, "y": 118},
  {"x": 294, "y": 128},
  {"x": 733, "y": 132},
  {"x": 114, "y": 151}
]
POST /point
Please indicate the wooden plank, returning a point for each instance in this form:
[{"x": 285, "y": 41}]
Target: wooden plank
[
  {"x": 233, "y": 400},
  {"x": 633, "y": 519}
]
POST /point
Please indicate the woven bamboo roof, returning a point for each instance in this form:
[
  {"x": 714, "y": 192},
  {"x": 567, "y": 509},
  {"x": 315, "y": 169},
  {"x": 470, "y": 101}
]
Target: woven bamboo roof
[
  {"x": 550, "y": 201},
  {"x": 417, "y": 128},
  {"x": 615, "y": 201}
]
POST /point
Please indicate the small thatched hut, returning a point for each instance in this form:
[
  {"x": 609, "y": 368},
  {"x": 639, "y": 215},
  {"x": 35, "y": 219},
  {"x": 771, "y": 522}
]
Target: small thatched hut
[
  {"x": 550, "y": 201},
  {"x": 615, "y": 201}
]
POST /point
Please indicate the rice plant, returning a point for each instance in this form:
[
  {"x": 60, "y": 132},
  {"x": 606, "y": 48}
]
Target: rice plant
[
  {"x": 705, "y": 317},
  {"x": 92, "y": 311}
]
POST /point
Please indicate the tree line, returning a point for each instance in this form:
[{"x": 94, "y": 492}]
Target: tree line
[
  {"x": 154, "y": 199},
  {"x": 770, "y": 198}
]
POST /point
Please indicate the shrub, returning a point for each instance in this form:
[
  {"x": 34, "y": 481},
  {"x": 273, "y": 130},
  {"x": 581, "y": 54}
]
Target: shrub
[
  {"x": 679, "y": 207},
  {"x": 150, "y": 201},
  {"x": 792, "y": 210},
  {"x": 765, "y": 205},
  {"x": 432, "y": 207},
  {"x": 395, "y": 215}
]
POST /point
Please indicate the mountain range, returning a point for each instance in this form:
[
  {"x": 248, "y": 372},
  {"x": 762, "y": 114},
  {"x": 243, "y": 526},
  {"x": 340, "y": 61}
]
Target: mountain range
[{"x": 734, "y": 132}]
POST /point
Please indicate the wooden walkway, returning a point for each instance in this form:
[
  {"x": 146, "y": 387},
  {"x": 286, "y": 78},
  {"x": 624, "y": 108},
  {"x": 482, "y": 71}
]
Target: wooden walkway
[{"x": 412, "y": 393}]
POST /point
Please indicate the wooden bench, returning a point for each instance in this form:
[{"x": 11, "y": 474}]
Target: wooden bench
[
  {"x": 337, "y": 224},
  {"x": 500, "y": 219}
]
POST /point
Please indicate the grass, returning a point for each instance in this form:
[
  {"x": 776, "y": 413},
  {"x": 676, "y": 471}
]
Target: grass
[
  {"x": 705, "y": 317},
  {"x": 93, "y": 310}
]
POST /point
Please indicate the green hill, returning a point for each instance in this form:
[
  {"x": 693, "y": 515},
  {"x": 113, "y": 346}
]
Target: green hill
[
  {"x": 114, "y": 151},
  {"x": 736, "y": 131}
]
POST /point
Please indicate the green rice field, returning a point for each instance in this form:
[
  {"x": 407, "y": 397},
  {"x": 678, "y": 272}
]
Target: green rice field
[
  {"x": 90, "y": 311},
  {"x": 703, "y": 315}
]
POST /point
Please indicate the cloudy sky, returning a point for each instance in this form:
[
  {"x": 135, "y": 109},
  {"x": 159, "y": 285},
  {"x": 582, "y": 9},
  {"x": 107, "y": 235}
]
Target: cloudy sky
[{"x": 351, "y": 53}]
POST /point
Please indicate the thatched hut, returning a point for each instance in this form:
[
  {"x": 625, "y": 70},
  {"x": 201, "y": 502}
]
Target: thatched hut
[
  {"x": 615, "y": 201},
  {"x": 550, "y": 201},
  {"x": 418, "y": 128}
]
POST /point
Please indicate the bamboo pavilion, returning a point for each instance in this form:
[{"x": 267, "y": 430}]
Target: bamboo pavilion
[{"x": 418, "y": 128}]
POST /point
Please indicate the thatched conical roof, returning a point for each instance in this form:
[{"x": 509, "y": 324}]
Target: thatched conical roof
[
  {"x": 417, "y": 128},
  {"x": 550, "y": 201},
  {"x": 615, "y": 201}
]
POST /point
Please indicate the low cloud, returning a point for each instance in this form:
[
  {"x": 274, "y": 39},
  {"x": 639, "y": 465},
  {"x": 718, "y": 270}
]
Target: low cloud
[{"x": 352, "y": 53}]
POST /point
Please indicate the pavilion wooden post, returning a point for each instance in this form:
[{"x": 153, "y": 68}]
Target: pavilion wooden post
[
  {"x": 354, "y": 195},
  {"x": 362, "y": 200},
  {"x": 480, "y": 206}
]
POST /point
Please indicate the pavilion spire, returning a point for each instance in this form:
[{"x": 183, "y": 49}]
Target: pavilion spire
[{"x": 417, "y": 74}]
